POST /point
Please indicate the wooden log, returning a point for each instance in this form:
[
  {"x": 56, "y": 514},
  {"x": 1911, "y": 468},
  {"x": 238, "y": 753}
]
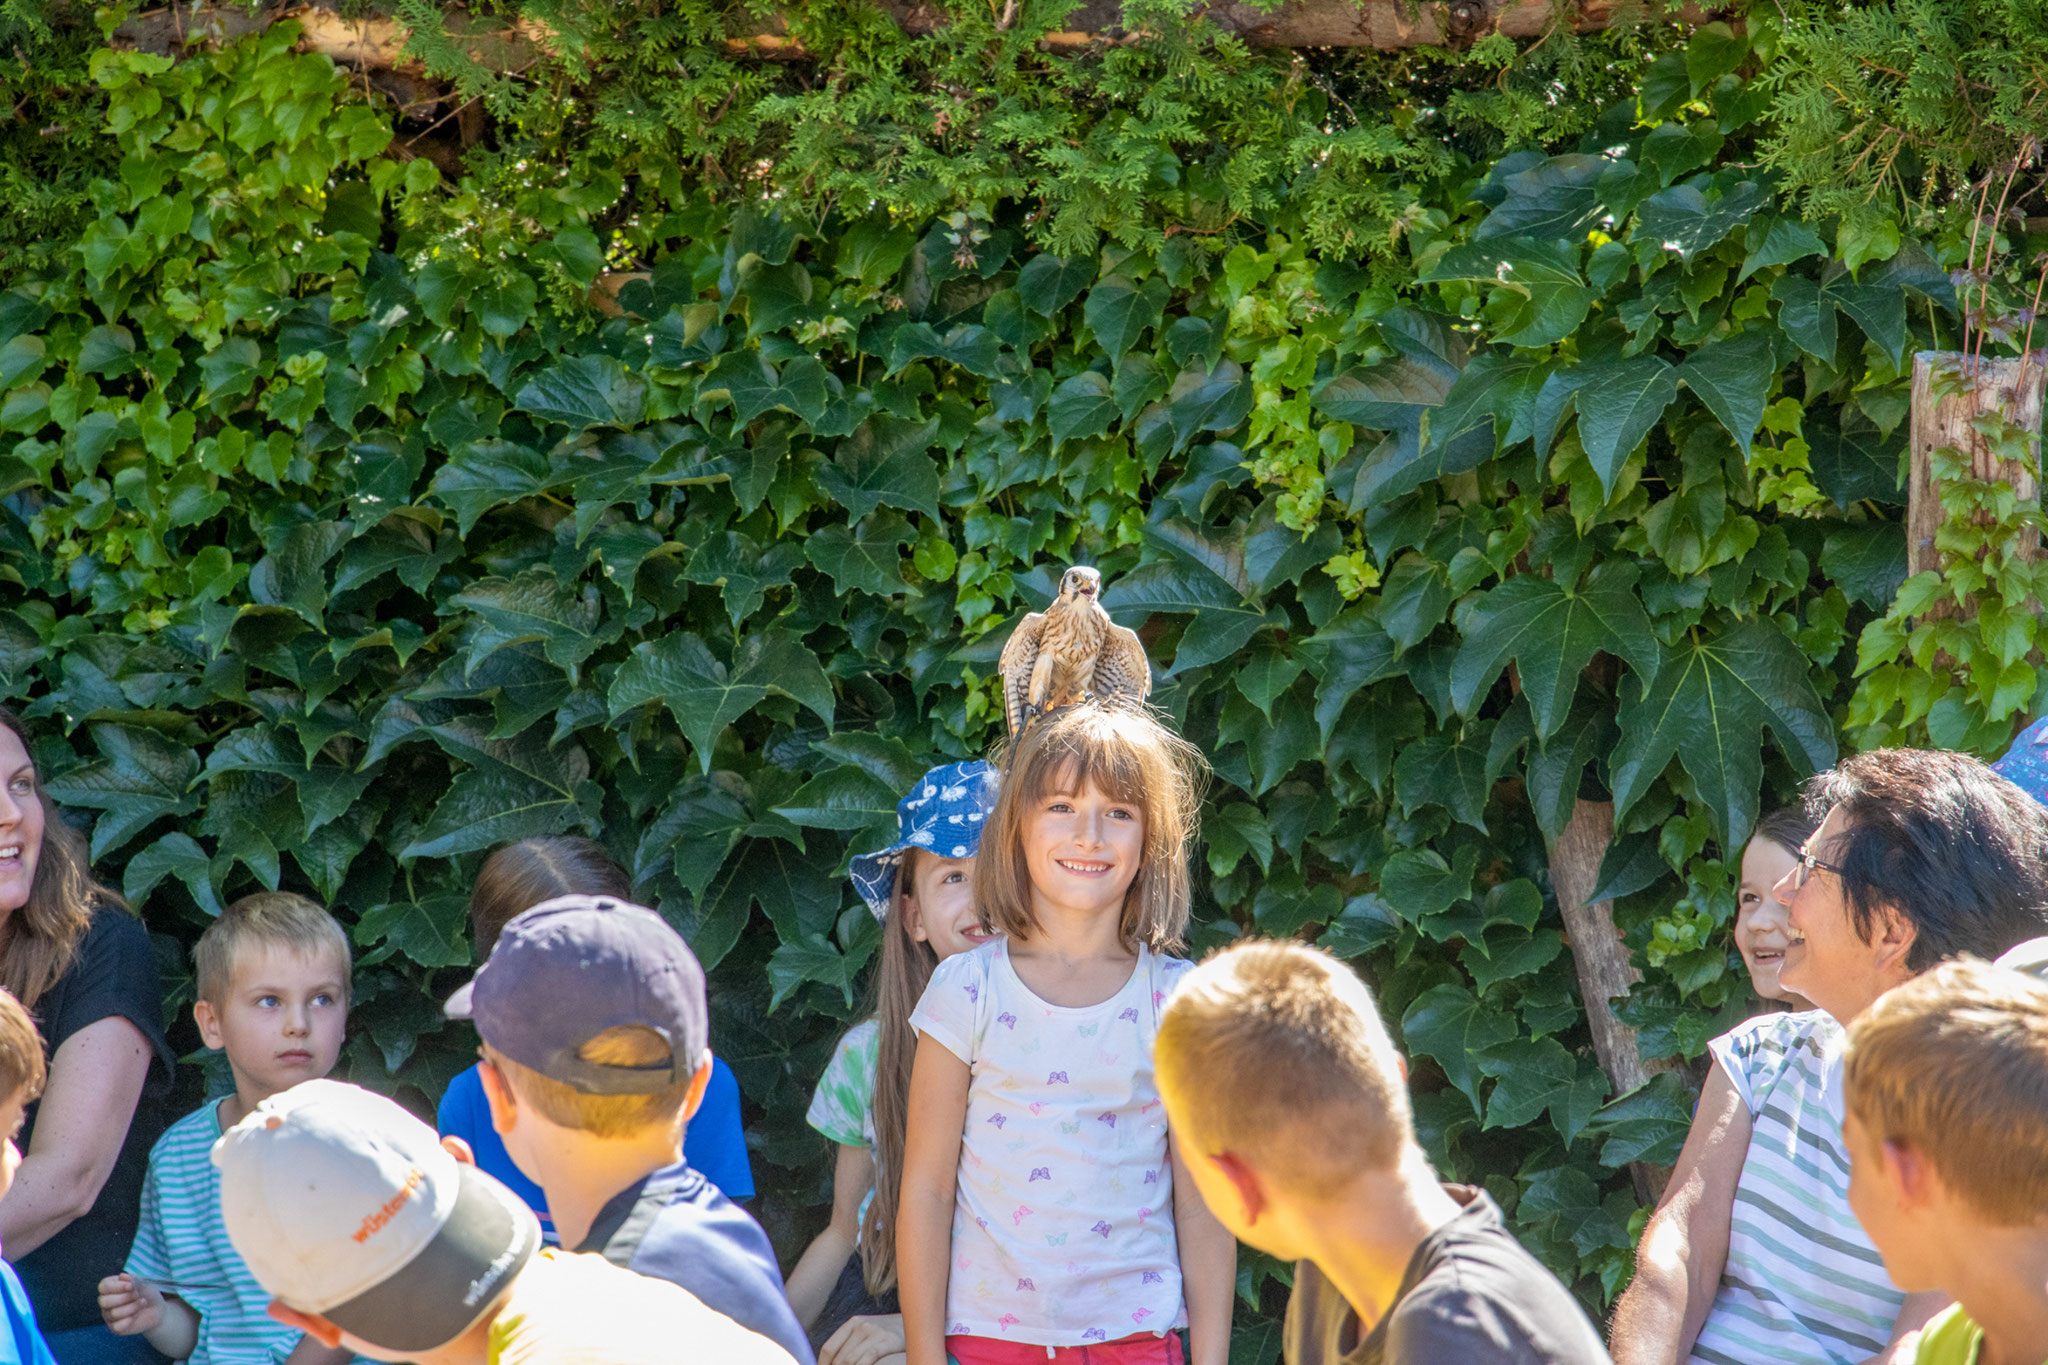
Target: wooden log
[
  {"x": 375, "y": 41},
  {"x": 1950, "y": 392},
  {"x": 1601, "y": 957}
]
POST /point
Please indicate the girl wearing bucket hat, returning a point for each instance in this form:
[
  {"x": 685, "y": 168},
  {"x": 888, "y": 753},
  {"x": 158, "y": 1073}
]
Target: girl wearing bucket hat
[{"x": 921, "y": 889}]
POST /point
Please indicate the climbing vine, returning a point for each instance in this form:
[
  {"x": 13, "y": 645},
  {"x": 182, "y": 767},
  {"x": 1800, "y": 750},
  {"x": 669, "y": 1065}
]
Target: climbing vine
[{"x": 1457, "y": 468}]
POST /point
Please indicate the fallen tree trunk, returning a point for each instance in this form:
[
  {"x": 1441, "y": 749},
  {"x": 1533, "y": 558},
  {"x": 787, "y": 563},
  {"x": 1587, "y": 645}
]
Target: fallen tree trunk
[{"x": 376, "y": 41}]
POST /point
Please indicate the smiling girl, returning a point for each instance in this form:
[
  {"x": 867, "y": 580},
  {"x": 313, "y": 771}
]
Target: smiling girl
[
  {"x": 921, "y": 888},
  {"x": 1762, "y": 931},
  {"x": 1045, "y": 1216}
]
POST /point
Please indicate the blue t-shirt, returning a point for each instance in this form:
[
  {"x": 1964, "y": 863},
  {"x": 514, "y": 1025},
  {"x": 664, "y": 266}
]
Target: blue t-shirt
[
  {"x": 23, "y": 1342},
  {"x": 714, "y": 1143},
  {"x": 674, "y": 1225}
]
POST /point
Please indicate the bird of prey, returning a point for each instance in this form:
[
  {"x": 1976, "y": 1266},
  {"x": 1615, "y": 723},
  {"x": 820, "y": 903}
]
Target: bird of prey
[{"x": 1068, "y": 652}]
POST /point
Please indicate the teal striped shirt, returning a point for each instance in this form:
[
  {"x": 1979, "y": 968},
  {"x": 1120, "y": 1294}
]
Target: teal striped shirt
[
  {"x": 181, "y": 1237},
  {"x": 1803, "y": 1285}
]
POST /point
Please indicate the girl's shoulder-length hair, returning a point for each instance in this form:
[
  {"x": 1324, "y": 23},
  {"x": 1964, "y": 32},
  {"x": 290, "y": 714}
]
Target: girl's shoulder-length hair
[
  {"x": 1131, "y": 757},
  {"x": 62, "y": 900}
]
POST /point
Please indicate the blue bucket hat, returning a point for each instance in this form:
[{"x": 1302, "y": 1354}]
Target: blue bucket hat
[
  {"x": 2025, "y": 764},
  {"x": 943, "y": 814}
]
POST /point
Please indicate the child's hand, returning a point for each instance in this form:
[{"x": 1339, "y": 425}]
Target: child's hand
[
  {"x": 130, "y": 1306},
  {"x": 866, "y": 1341}
]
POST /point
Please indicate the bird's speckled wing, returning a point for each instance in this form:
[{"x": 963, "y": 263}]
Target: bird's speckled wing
[
  {"x": 1020, "y": 653},
  {"x": 1121, "y": 669}
]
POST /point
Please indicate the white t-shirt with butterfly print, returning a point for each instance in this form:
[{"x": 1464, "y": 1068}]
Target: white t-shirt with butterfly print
[{"x": 1063, "y": 1224}]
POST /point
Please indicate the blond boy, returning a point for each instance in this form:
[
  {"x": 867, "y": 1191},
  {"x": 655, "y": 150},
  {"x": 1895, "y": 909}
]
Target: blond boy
[
  {"x": 22, "y": 1073},
  {"x": 596, "y": 1051},
  {"x": 1290, "y": 1105},
  {"x": 1946, "y": 1090},
  {"x": 273, "y": 985}
]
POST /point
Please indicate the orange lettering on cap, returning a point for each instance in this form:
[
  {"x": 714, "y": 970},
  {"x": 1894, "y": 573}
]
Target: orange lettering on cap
[{"x": 374, "y": 1224}]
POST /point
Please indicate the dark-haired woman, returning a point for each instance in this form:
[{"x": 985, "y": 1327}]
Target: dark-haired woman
[{"x": 82, "y": 963}]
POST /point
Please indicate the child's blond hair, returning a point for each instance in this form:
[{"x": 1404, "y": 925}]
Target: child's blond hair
[
  {"x": 601, "y": 1116},
  {"x": 1131, "y": 758},
  {"x": 22, "y": 1068},
  {"x": 1275, "y": 1051},
  {"x": 1954, "y": 1065},
  {"x": 275, "y": 918}
]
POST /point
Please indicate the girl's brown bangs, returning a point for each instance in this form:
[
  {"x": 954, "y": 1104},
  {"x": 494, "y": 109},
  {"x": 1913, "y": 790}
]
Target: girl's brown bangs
[{"x": 1079, "y": 758}]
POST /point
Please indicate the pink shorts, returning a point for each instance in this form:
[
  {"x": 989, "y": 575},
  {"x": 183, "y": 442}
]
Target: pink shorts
[{"x": 1142, "y": 1349}]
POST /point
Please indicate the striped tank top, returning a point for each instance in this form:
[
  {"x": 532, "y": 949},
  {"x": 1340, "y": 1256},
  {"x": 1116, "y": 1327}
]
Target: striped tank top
[{"x": 1803, "y": 1285}]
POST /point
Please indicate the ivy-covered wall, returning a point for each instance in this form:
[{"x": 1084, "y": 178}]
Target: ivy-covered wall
[{"x": 342, "y": 538}]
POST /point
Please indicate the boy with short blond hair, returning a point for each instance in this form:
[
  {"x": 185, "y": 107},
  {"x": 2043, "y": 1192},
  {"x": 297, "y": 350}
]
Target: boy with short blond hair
[
  {"x": 1946, "y": 1090},
  {"x": 1289, "y": 1105},
  {"x": 22, "y": 1073},
  {"x": 597, "y": 1049},
  {"x": 273, "y": 985}
]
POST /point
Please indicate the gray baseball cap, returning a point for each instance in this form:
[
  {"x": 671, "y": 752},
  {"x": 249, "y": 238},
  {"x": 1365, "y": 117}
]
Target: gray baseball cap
[{"x": 571, "y": 968}]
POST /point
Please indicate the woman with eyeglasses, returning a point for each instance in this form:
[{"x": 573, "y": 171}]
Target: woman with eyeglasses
[{"x": 1754, "y": 1255}]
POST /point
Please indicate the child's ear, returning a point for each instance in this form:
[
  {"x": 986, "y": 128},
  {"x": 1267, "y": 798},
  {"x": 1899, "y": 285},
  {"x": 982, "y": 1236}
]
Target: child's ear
[
  {"x": 499, "y": 1095},
  {"x": 1251, "y": 1191},
  {"x": 208, "y": 1019},
  {"x": 913, "y": 918},
  {"x": 1912, "y": 1177},
  {"x": 694, "y": 1100}
]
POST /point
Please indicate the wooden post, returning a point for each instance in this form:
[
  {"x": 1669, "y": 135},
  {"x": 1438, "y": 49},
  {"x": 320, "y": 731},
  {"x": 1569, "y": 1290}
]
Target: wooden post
[
  {"x": 1605, "y": 971},
  {"x": 1950, "y": 390}
]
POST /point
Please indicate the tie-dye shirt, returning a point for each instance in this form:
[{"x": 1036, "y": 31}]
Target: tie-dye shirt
[{"x": 1063, "y": 1224}]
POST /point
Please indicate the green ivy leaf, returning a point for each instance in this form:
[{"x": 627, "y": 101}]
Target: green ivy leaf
[
  {"x": 796, "y": 962},
  {"x": 175, "y": 854},
  {"x": 742, "y": 570},
  {"x": 1418, "y": 883},
  {"x": 1224, "y": 622},
  {"x": 1563, "y": 1205},
  {"x": 1709, "y": 705},
  {"x": 584, "y": 391},
  {"x": 755, "y": 387},
  {"x": 1733, "y": 377},
  {"x": 1080, "y": 406},
  {"x": 1555, "y": 200},
  {"x": 886, "y": 461},
  {"x": 494, "y": 805},
  {"x": 1618, "y": 404},
  {"x": 428, "y": 931},
  {"x": 868, "y": 557},
  {"x": 139, "y": 778},
  {"x": 481, "y": 475},
  {"x": 1538, "y": 295},
  {"x": 1649, "y": 1123},
  {"x": 1352, "y": 651},
  {"x": 1534, "y": 1075},
  {"x": 535, "y": 605},
  {"x": 845, "y": 798},
  {"x": 1118, "y": 312},
  {"x": 1447, "y": 1024},
  {"x": 1233, "y": 831},
  {"x": 1552, "y": 630},
  {"x": 1049, "y": 283},
  {"x": 705, "y": 696},
  {"x": 1684, "y": 220},
  {"x": 1455, "y": 772},
  {"x": 294, "y": 574}
]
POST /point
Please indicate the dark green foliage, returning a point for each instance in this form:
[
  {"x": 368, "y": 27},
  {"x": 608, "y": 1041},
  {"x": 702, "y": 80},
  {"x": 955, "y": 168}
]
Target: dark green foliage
[{"x": 340, "y": 539}]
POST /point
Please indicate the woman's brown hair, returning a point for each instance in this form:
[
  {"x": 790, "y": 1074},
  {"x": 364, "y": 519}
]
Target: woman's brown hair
[
  {"x": 1131, "y": 758},
  {"x": 907, "y": 967},
  {"x": 42, "y": 936},
  {"x": 520, "y": 876}
]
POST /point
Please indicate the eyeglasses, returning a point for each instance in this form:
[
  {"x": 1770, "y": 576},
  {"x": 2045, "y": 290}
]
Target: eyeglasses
[{"x": 1805, "y": 868}]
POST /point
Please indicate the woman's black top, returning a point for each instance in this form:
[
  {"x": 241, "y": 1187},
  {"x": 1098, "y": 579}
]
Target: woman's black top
[{"x": 112, "y": 976}]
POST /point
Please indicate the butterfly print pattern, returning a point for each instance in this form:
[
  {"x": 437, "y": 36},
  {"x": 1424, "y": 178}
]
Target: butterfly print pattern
[{"x": 1062, "y": 1101}]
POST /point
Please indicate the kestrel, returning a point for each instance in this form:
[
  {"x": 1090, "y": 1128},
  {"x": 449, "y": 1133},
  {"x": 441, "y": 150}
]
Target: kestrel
[{"x": 1071, "y": 651}]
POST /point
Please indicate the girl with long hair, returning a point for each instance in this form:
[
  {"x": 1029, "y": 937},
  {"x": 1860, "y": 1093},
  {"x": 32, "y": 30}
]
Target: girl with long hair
[
  {"x": 1044, "y": 1214},
  {"x": 844, "y": 1286}
]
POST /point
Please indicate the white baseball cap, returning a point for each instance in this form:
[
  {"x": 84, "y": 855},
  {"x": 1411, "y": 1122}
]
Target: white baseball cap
[{"x": 347, "y": 1207}]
